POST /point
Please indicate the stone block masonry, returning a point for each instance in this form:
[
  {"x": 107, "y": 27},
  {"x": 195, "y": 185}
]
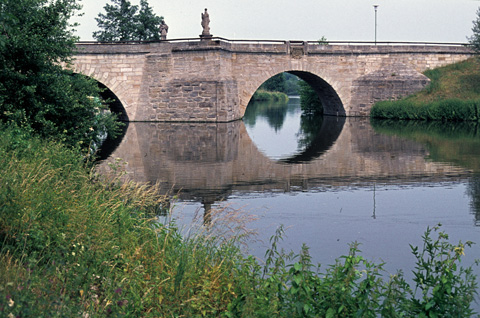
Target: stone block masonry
[{"x": 213, "y": 81}]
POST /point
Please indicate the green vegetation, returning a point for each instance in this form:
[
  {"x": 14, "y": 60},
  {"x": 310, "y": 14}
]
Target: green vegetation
[
  {"x": 283, "y": 82},
  {"x": 121, "y": 22},
  {"x": 36, "y": 92},
  {"x": 263, "y": 95},
  {"x": 309, "y": 100},
  {"x": 275, "y": 83},
  {"x": 452, "y": 95},
  {"x": 291, "y": 84},
  {"x": 73, "y": 244},
  {"x": 323, "y": 41},
  {"x": 475, "y": 38},
  {"x": 274, "y": 89}
]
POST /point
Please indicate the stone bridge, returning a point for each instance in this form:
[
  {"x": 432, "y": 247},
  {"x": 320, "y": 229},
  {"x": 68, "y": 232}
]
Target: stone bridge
[{"x": 213, "y": 80}]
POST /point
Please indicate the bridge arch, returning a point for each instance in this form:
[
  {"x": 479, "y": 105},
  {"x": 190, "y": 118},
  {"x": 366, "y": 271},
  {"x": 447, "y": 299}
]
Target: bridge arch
[
  {"x": 118, "y": 89},
  {"x": 332, "y": 104},
  {"x": 113, "y": 102}
]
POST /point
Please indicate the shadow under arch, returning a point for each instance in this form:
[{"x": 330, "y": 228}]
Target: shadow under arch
[
  {"x": 113, "y": 102},
  {"x": 116, "y": 107},
  {"x": 332, "y": 104},
  {"x": 328, "y": 133}
]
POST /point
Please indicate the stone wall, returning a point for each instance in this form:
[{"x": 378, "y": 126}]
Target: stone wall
[{"x": 213, "y": 81}]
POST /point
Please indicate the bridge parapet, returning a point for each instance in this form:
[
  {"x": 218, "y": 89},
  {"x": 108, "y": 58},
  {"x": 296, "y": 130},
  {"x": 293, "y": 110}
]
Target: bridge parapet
[{"x": 265, "y": 46}]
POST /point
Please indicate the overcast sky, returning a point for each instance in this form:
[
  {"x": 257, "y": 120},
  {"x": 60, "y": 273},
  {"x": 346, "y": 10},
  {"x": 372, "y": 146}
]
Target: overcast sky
[{"x": 337, "y": 20}]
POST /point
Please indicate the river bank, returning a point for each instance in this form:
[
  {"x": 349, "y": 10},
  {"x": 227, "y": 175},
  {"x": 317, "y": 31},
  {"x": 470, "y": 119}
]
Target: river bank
[
  {"x": 452, "y": 95},
  {"x": 264, "y": 95}
]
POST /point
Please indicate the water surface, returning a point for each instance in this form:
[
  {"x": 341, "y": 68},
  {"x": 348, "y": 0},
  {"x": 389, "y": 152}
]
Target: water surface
[{"x": 330, "y": 181}]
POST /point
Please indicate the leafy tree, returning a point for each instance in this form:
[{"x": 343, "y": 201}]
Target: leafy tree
[
  {"x": 148, "y": 23},
  {"x": 475, "y": 38},
  {"x": 275, "y": 83},
  {"x": 36, "y": 92},
  {"x": 124, "y": 22},
  {"x": 309, "y": 100},
  {"x": 291, "y": 84},
  {"x": 119, "y": 23}
]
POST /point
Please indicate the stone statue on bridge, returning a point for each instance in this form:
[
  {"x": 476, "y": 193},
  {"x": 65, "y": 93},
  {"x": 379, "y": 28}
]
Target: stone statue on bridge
[
  {"x": 206, "y": 25},
  {"x": 163, "y": 30}
]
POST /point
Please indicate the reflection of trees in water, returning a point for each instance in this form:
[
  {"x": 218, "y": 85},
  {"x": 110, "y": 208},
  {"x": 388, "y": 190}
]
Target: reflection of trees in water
[
  {"x": 315, "y": 135},
  {"x": 453, "y": 142},
  {"x": 310, "y": 125},
  {"x": 473, "y": 189},
  {"x": 456, "y": 143},
  {"x": 274, "y": 112}
]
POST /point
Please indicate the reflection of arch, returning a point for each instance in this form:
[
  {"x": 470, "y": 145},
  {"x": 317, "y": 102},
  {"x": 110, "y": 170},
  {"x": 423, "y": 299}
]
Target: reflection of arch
[
  {"x": 111, "y": 144},
  {"x": 332, "y": 104},
  {"x": 325, "y": 138}
]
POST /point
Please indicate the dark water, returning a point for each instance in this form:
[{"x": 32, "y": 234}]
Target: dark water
[{"x": 330, "y": 181}]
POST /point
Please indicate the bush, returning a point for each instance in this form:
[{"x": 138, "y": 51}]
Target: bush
[{"x": 36, "y": 91}]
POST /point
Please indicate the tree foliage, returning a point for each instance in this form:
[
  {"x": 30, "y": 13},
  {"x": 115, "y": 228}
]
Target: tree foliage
[
  {"x": 148, "y": 23},
  {"x": 309, "y": 100},
  {"x": 275, "y": 83},
  {"x": 123, "y": 21},
  {"x": 36, "y": 92},
  {"x": 475, "y": 38}
]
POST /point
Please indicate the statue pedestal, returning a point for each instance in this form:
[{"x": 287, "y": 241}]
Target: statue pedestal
[{"x": 205, "y": 37}]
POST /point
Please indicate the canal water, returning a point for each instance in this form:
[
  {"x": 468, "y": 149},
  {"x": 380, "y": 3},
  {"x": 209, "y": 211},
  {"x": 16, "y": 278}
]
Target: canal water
[{"x": 329, "y": 181}]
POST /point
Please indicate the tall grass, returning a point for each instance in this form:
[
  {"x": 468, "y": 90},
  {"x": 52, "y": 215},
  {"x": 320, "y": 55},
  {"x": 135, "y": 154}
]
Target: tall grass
[
  {"x": 76, "y": 245},
  {"x": 444, "y": 110}
]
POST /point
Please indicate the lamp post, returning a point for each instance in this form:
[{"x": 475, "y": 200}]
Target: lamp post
[{"x": 375, "y": 6}]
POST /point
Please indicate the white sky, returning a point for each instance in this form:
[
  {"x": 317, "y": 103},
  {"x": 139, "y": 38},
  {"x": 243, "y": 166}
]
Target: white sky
[{"x": 337, "y": 20}]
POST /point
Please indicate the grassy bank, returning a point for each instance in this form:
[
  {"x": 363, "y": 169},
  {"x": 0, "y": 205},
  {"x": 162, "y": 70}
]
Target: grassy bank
[
  {"x": 263, "y": 95},
  {"x": 452, "y": 95},
  {"x": 76, "y": 245}
]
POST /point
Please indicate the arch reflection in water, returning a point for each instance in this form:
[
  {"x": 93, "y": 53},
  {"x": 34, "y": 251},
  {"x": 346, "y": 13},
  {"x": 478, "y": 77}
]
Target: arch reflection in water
[
  {"x": 208, "y": 161},
  {"x": 282, "y": 132},
  {"x": 205, "y": 161}
]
